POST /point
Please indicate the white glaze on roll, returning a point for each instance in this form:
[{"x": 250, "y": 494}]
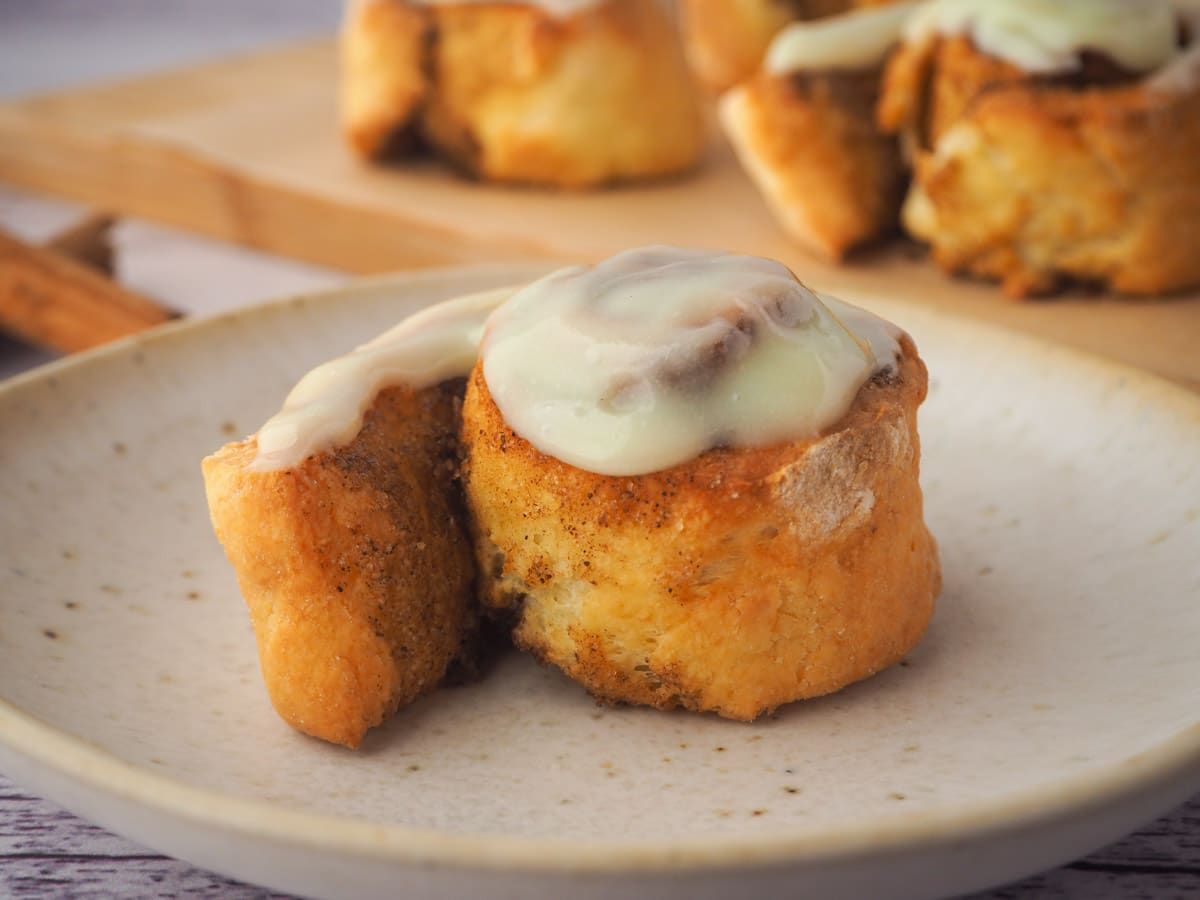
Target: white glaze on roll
[
  {"x": 649, "y": 358},
  {"x": 853, "y": 41},
  {"x": 326, "y": 408},
  {"x": 636, "y": 364},
  {"x": 1048, "y": 35}
]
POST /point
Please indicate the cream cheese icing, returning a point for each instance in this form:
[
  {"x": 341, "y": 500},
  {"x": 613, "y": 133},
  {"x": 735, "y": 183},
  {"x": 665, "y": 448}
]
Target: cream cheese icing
[
  {"x": 636, "y": 364},
  {"x": 649, "y": 358}
]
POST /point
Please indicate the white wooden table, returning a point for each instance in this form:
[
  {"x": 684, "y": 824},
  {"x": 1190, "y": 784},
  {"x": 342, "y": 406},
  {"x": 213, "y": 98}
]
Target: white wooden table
[{"x": 47, "y": 852}]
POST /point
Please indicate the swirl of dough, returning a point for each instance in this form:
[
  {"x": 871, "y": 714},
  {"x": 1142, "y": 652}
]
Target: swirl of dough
[{"x": 652, "y": 357}]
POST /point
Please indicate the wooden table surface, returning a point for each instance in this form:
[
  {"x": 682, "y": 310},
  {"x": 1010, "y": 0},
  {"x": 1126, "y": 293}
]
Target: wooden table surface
[{"x": 46, "y": 851}]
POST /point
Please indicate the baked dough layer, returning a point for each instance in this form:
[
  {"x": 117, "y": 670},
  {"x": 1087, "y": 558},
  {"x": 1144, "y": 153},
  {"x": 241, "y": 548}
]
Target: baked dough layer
[
  {"x": 1035, "y": 180},
  {"x": 355, "y": 565},
  {"x": 734, "y": 583}
]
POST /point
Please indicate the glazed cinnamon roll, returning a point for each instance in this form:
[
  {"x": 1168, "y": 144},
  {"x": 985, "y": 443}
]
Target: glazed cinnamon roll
[
  {"x": 694, "y": 482},
  {"x": 804, "y": 128},
  {"x": 689, "y": 481},
  {"x": 571, "y": 93},
  {"x": 1053, "y": 142}
]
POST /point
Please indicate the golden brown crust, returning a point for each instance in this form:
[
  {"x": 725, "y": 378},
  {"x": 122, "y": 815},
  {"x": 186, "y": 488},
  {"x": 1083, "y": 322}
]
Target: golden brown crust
[
  {"x": 1033, "y": 181},
  {"x": 737, "y": 582},
  {"x": 811, "y": 143},
  {"x": 355, "y": 565},
  {"x": 512, "y": 93}
]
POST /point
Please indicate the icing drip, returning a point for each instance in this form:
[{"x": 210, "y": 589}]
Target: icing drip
[{"x": 326, "y": 408}]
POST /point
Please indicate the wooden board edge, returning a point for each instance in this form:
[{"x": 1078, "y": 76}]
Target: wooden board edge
[{"x": 177, "y": 186}]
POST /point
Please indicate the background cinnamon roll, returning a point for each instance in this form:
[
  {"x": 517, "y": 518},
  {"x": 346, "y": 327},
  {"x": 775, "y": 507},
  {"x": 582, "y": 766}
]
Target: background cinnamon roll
[
  {"x": 804, "y": 128},
  {"x": 692, "y": 484},
  {"x": 1053, "y": 142},
  {"x": 570, "y": 93}
]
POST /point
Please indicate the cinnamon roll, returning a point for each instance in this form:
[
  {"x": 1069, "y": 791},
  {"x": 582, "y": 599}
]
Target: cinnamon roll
[
  {"x": 804, "y": 128},
  {"x": 694, "y": 482},
  {"x": 571, "y": 93},
  {"x": 1053, "y": 142},
  {"x": 686, "y": 480}
]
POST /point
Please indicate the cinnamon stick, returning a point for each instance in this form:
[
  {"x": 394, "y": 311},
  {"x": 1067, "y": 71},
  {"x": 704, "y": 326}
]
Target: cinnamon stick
[
  {"x": 87, "y": 241},
  {"x": 53, "y": 301}
]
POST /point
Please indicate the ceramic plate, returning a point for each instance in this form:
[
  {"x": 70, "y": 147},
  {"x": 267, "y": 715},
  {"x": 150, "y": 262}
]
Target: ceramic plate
[{"x": 1051, "y": 708}]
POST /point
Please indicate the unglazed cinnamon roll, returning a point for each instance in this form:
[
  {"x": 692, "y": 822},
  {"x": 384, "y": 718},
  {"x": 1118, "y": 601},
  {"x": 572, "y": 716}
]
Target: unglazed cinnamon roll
[
  {"x": 726, "y": 39},
  {"x": 694, "y": 482},
  {"x": 804, "y": 128},
  {"x": 1053, "y": 142},
  {"x": 570, "y": 93}
]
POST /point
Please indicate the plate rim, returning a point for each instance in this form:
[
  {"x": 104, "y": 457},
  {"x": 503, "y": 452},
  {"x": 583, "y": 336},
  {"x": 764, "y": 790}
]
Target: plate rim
[{"x": 1175, "y": 760}]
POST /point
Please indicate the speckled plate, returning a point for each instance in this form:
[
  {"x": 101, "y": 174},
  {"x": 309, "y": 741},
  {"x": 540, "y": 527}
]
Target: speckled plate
[{"x": 1051, "y": 708}]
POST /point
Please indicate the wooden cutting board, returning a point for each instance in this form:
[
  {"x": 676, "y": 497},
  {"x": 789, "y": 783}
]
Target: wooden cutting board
[{"x": 247, "y": 149}]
